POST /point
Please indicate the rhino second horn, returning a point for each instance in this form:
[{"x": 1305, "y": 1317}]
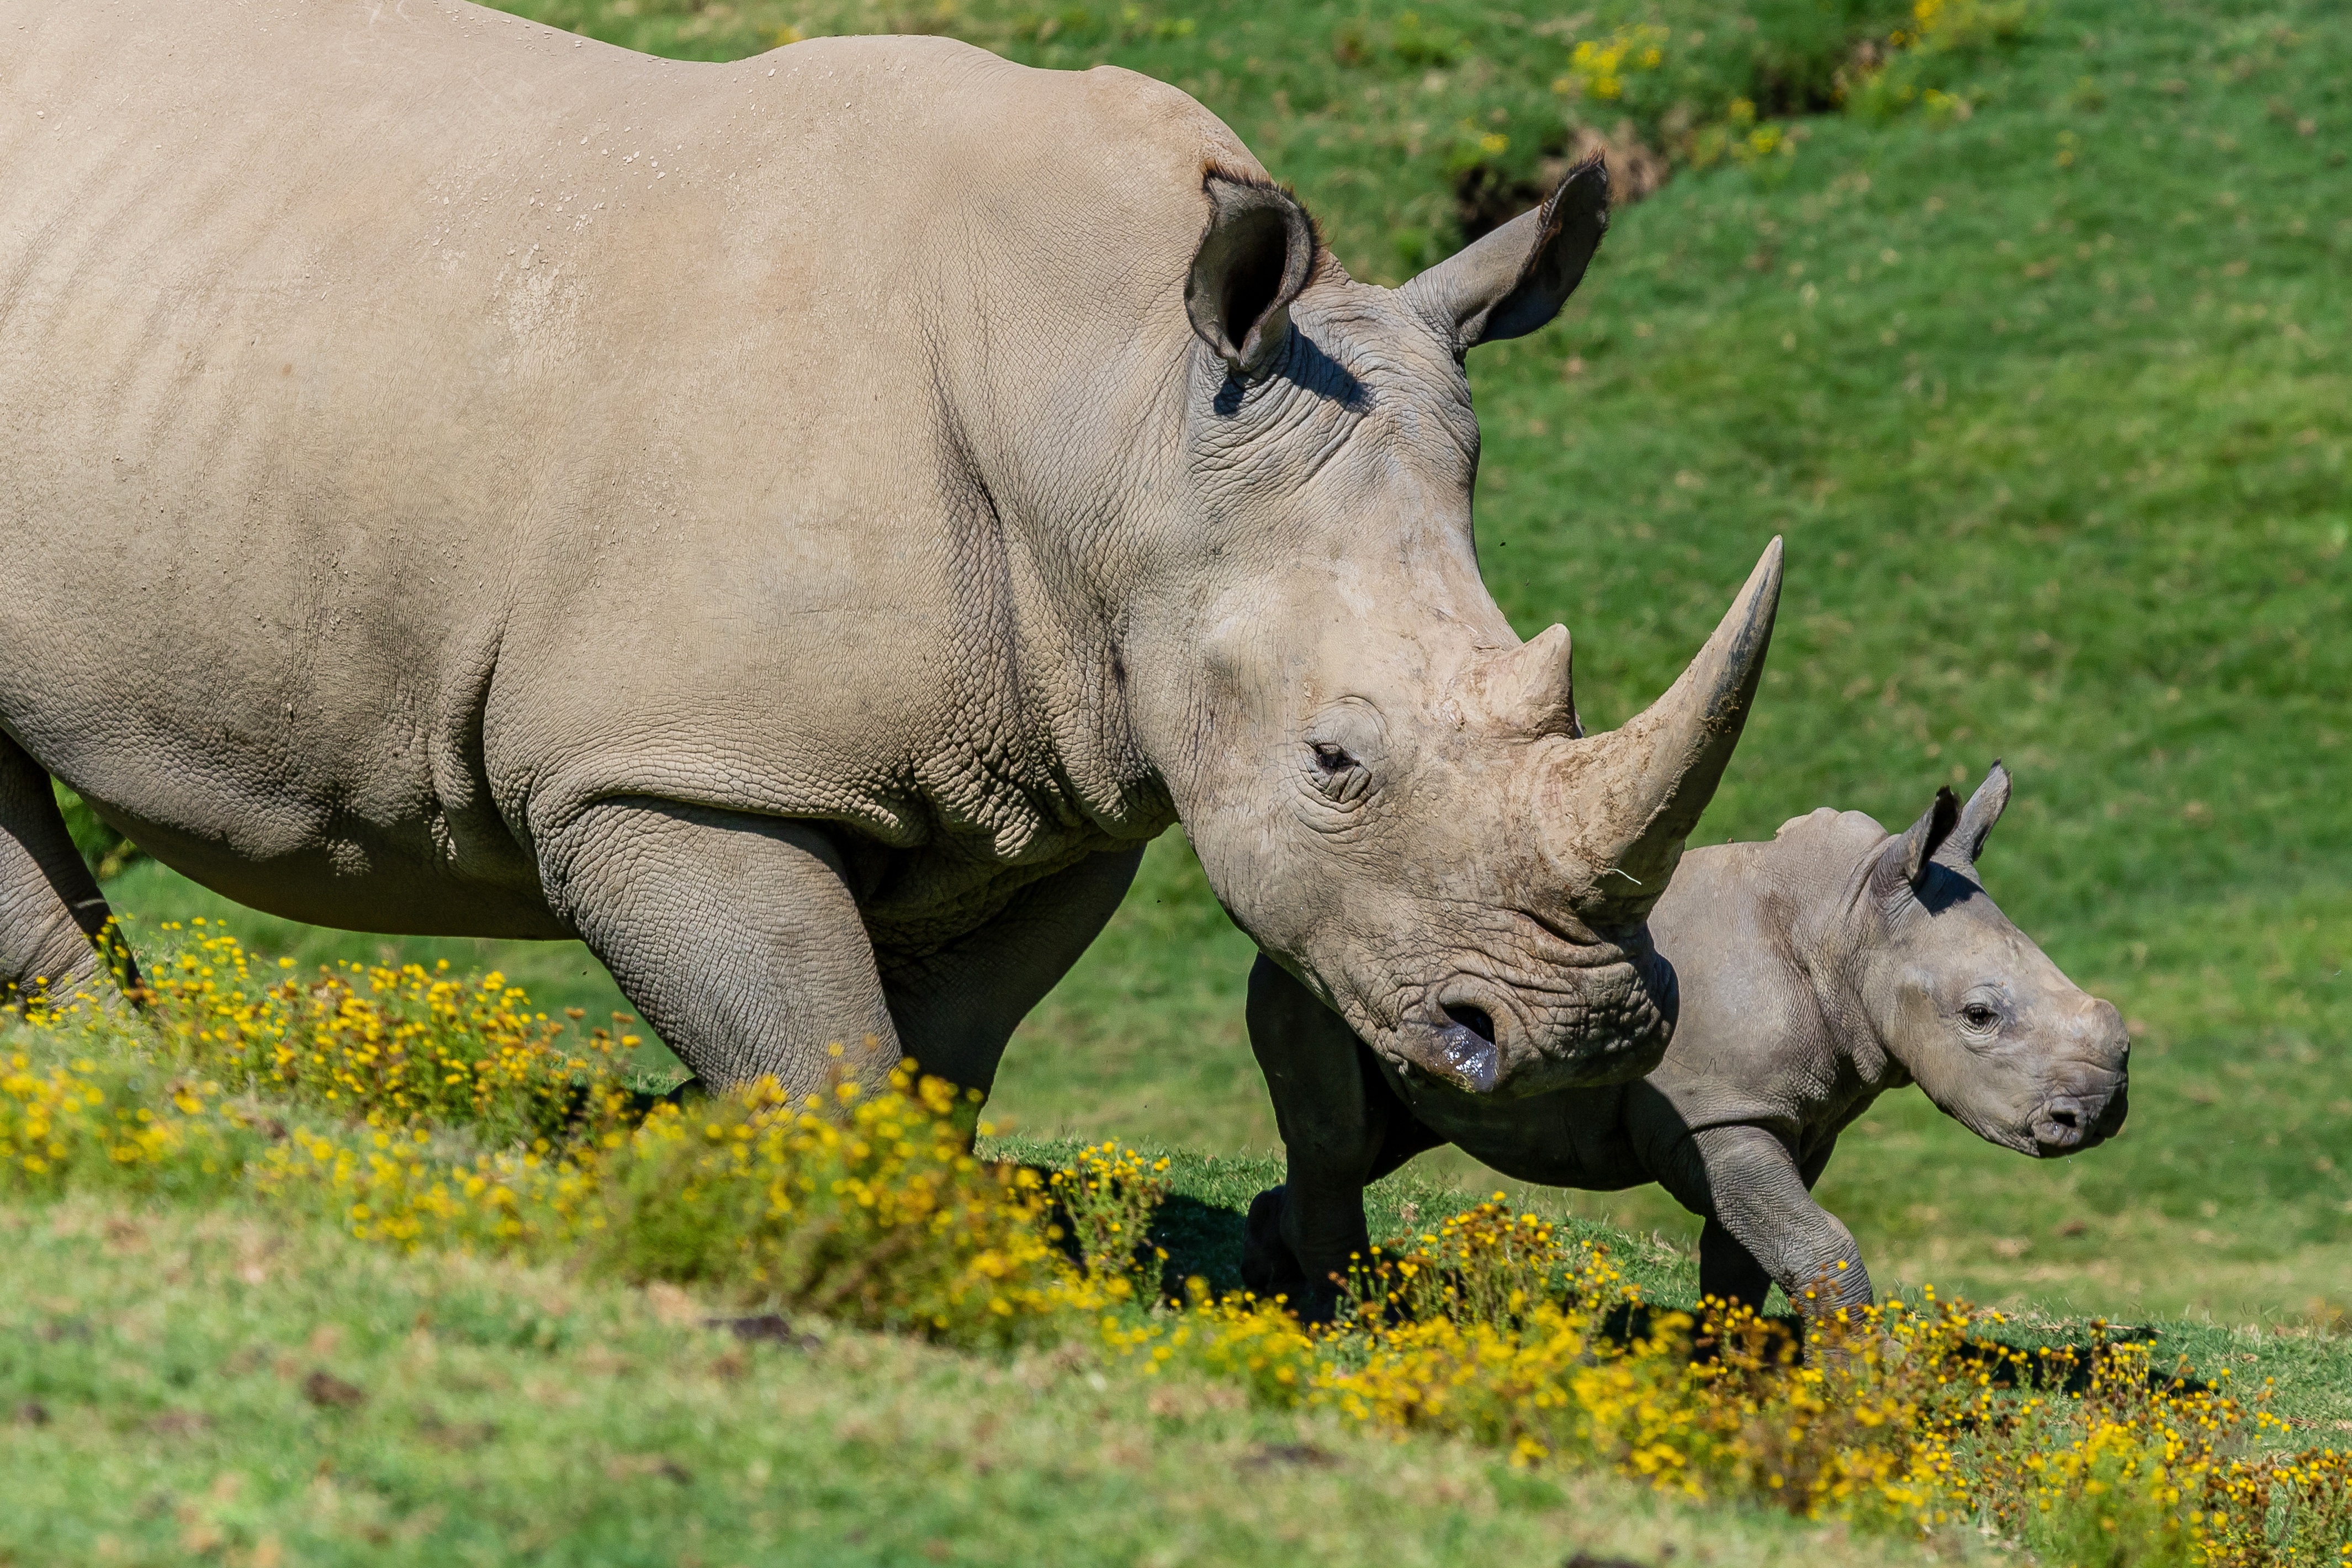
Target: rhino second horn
[
  {"x": 1643, "y": 788},
  {"x": 1531, "y": 690}
]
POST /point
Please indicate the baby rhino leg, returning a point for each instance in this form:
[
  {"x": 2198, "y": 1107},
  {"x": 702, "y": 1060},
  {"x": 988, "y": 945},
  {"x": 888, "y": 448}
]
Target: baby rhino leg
[
  {"x": 1729, "y": 1271},
  {"x": 53, "y": 918}
]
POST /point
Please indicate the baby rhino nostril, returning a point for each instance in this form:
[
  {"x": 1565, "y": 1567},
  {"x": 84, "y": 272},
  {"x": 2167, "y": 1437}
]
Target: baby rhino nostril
[
  {"x": 1475, "y": 1019},
  {"x": 2065, "y": 1116}
]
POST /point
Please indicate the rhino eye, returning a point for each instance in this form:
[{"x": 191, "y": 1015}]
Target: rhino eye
[
  {"x": 1977, "y": 1015},
  {"x": 1335, "y": 773}
]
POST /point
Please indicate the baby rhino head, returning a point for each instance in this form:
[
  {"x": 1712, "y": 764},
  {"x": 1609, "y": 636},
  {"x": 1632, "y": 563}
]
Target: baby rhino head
[{"x": 1983, "y": 1021}]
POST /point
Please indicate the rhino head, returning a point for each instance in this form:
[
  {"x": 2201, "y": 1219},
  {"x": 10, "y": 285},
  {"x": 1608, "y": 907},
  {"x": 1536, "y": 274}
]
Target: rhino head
[
  {"x": 1388, "y": 789},
  {"x": 1977, "y": 1015}
]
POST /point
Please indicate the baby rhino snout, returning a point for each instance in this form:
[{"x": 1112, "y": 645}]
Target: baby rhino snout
[
  {"x": 2091, "y": 1108},
  {"x": 2068, "y": 1123}
]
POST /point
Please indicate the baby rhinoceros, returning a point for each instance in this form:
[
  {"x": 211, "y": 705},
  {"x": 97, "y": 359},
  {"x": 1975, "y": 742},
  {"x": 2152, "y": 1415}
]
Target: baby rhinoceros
[{"x": 1816, "y": 972}]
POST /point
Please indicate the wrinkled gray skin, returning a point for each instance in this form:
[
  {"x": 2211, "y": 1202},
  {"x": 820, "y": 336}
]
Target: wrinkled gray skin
[
  {"x": 800, "y": 525},
  {"x": 1816, "y": 972}
]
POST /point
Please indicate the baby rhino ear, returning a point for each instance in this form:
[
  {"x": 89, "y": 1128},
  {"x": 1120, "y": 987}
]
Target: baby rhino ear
[
  {"x": 1977, "y": 818},
  {"x": 1915, "y": 850}
]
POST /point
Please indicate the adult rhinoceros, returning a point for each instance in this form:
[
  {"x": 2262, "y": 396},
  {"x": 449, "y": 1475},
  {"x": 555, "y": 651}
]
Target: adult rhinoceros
[{"x": 800, "y": 525}]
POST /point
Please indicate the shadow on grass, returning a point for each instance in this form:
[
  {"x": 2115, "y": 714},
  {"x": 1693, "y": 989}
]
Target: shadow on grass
[{"x": 1203, "y": 1241}]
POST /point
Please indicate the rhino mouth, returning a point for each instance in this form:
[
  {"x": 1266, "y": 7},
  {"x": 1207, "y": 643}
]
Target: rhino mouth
[
  {"x": 2069, "y": 1123},
  {"x": 1463, "y": 1050},
  {"x": 1481, "y": 1037}
]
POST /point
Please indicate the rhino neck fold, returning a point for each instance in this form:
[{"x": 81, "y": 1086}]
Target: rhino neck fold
[{"x": 1834, "y": 925}]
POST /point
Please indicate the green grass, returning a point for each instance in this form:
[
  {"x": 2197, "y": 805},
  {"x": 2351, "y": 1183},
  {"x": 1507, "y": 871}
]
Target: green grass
[
  {"x": 186, "y": 1384},
  {"x": 2052, "y": 405},
  {"x": 158, "y": 1406}
]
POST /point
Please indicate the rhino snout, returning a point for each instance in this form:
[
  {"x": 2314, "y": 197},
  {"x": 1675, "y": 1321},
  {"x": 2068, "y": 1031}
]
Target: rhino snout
[
  {"x": 2069, "y": 1123},
  {"x": 2090, "y": 1109}
]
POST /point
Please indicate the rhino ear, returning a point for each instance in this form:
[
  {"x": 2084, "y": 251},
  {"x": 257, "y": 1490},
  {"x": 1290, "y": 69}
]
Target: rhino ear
[
  {"x": 1517, "y": 279},
  {"x": 1256, "y": 255},
  {"x": 1977, "y": 818},
  {"x": 1911, "y": 855}
]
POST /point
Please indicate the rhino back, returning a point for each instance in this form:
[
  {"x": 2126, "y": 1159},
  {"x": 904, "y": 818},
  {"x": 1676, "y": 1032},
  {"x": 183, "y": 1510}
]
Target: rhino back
[{"x": 425, "y": 421}]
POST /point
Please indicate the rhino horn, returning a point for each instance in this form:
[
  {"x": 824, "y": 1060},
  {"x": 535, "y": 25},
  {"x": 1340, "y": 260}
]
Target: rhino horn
[
  {"x": 1531, "y": 690},
  {"x": 1642, "y": 787}
]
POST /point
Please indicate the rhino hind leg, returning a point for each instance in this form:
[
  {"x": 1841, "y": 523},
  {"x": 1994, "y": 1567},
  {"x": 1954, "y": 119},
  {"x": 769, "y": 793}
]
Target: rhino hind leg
[
  {"x": 55, "y": 934},
  {"x": 736, "y": 937}
]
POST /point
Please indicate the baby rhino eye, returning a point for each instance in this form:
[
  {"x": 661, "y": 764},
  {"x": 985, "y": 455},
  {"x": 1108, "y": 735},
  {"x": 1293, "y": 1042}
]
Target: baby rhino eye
[
  {"x": 1332, "y": 758},
  {"x": 1979, "y": 1016}
]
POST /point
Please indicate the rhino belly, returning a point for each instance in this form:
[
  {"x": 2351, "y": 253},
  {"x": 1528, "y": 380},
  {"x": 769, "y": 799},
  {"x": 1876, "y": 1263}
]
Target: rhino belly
[{"x": 332, "y": 791}]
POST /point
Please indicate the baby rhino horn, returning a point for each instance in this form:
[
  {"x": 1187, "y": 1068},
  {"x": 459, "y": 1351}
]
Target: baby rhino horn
[{"x": 1625, "y": 801}]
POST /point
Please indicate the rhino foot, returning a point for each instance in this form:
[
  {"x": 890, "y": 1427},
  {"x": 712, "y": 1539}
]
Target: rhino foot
[{"x": 1269, "y": 1269}]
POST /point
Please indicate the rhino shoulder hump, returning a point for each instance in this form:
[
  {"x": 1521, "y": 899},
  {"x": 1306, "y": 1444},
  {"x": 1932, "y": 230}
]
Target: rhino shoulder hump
[
  {"x": 1815, "y": 820},
  {"x": 1830, "y": 831},
  {"x": 1160, "y": 113}
]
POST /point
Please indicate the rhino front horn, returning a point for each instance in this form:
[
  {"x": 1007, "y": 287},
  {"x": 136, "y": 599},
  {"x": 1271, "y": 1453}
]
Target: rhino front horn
[{"x": 1625, "y": 801}]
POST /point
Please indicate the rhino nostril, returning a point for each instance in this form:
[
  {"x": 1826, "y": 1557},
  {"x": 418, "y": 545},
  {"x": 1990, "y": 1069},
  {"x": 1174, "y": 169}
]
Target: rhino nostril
[
  {"x": 2065, "y": 1116},
  {"x": 1475, "y": 1019}
]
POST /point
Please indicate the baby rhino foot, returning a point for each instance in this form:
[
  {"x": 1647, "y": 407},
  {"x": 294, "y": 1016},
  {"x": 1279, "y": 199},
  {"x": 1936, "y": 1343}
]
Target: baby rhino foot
[{"x": 1270, "y": 1269}]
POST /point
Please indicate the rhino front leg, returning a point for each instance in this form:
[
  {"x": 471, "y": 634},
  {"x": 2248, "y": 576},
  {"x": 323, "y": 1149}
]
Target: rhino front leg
[
  {"x": 1342, "y": 1129},
  {"x": 54, "y": 936},
  {"x": 956, "y": 1007},
  {"x": 1760, "y": 1202},
  {"x": 736, "y": 936}
]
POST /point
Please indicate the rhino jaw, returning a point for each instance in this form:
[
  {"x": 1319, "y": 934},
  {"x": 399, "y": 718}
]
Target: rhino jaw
[{"x": 1480, "y": 1037}]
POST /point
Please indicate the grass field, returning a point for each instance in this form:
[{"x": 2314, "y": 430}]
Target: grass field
[{"x": 505, "y": 1414}]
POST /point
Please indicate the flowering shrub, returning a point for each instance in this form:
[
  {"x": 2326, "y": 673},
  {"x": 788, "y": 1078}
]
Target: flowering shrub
[
  {"x": 1597, "y": 68},
  {"x": 73, "y": 1123},
  {"x": 1108, "y": 1196},
  {"x": 872, "y": 1209},
  {"x": 2157, "y": 1465},
  {"x": 1918, "y": 63},
  {"x": 1484, "y": 1265},
  {"x": 392, "y": 1047},
  {"x": 411, "y": 1190},
  {"x": 1495, "y": 1328}
]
